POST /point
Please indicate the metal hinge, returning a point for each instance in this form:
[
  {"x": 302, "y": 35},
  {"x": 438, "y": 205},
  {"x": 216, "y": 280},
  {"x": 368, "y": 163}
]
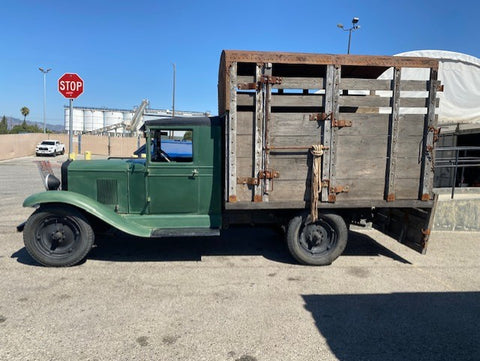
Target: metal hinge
[
  {"x": 436, "y": 132},
  {"x": 268, "y": 79},
  {"x": 334, "y": 190},
  {"x": 264, "y": 79},
  {"x": 247, "y": 180},
  {"x": 264, "y": 174},
  {"x": 341, "y": 123}
]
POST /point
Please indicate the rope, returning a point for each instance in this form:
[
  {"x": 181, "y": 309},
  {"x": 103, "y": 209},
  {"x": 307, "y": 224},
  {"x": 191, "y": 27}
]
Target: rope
[{"x": 317, "y": 153}]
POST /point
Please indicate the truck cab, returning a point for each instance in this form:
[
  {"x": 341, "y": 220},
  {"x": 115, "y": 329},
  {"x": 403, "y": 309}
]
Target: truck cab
[{"x": 175, "y": 190}]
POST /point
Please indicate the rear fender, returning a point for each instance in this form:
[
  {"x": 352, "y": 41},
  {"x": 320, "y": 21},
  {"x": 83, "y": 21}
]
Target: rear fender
[{"x": 89, "y": 206}]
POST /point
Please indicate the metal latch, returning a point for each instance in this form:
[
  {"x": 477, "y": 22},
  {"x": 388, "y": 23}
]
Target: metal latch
[
  {"x": 334, "y": 190},
  {"x": 335, "y": 122},
  {"x": 268, "y": 174},
  {"x": 263, "y": 174},
  {"x": 319, "y": 116},
  {"x": 341, "y": 123},
  {"x": 247, "y": 180}
]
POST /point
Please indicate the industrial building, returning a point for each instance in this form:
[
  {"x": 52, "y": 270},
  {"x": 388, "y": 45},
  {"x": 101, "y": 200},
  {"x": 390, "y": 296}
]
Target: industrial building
[{"x": 117, "y": 121}]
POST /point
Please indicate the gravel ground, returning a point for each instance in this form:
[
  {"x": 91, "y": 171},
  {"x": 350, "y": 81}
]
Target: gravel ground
[{"x": 239, "y": 297}]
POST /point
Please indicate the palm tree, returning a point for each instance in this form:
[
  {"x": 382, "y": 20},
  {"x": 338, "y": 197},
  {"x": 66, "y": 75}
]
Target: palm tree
[{"x": 25, "y": 111}]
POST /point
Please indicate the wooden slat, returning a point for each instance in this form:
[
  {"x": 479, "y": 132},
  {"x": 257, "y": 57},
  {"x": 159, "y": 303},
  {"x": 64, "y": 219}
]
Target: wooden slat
[
  {"x": 365, "y": 84},
  {"x": 392, "y": 145},
  {"x": 245, "y": 123},
  {"x": 294, "y": 124},
  {"x": 378, "y": 101},
  {"x": 284, "y": 100}
]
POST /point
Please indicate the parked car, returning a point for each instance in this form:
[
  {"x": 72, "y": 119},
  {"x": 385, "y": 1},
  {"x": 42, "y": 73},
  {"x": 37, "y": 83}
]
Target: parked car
[{"x": 50, "y": 147}]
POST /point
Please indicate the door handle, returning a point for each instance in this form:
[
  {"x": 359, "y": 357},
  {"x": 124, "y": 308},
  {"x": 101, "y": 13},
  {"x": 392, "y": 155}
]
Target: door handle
[{"x": 194, "y": 173}]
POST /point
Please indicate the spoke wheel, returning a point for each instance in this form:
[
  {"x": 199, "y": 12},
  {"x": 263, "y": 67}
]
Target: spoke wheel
[
  {"x": 58, "y": 236},
  {"x": 318, "y": 243}
]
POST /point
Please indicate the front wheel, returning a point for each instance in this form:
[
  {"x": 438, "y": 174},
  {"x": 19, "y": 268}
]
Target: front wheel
[
  {"x": 58, "y": 236},
  {"x": 318, "y": 243}
]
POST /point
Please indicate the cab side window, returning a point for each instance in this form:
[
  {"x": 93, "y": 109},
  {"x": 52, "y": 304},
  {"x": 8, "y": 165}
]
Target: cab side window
[{"x": 172, "y": 145}]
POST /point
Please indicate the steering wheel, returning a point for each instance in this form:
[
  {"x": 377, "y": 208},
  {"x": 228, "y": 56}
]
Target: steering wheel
[{"x": 164, "y": 156}]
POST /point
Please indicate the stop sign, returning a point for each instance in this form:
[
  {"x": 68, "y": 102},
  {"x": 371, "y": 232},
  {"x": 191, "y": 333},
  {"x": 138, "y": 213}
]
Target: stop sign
[{"x": 70, "y": 85}]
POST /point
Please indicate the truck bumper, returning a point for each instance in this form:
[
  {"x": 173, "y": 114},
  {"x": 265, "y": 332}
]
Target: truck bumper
[{"x": 21, "y": 226}]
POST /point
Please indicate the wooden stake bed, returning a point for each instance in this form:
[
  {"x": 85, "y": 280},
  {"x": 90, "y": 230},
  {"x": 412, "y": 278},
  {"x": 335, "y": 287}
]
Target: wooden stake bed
[{"x": 376, "y": 129}]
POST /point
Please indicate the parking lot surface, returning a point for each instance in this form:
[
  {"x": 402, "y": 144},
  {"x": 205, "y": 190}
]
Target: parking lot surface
[{"x": 239, "y": 297}]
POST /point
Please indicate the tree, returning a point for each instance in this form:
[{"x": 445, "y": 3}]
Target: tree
[
  {"x": 187, "y": 135},
  {"x": 3, "y": 126},
  {"x": 25, "y": 111}
]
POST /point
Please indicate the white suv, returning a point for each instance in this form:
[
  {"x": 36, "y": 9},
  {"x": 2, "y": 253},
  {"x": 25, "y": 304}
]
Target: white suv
[{"x": 50, "y": 147}]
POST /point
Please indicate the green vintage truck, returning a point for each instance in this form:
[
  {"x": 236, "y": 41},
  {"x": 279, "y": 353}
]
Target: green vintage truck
[{"x": 311, "y": 141}]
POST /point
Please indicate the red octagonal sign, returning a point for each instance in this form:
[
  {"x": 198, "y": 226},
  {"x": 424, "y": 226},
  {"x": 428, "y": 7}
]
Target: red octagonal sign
[{"x": 70, "y": 85}]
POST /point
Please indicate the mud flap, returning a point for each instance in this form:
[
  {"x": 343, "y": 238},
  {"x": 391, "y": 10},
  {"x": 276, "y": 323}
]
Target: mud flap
[{"x": 410, "y": 226}]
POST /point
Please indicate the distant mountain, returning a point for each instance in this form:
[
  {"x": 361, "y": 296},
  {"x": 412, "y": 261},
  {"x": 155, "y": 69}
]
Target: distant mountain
[{"x": 56, "y": 128}]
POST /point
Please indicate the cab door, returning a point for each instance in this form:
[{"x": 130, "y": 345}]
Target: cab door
[{"x": 172, "y": 180}]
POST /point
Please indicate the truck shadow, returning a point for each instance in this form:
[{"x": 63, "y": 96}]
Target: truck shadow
[
  {"x": 236, "y": 241},
  {"x": 399, "y": 326}
]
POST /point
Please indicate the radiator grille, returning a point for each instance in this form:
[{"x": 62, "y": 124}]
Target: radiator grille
[{"x": 107, "y": 191}]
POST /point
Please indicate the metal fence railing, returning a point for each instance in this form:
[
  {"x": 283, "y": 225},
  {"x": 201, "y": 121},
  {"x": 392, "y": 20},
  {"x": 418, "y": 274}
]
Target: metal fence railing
[{"x": 461, "y": 157}]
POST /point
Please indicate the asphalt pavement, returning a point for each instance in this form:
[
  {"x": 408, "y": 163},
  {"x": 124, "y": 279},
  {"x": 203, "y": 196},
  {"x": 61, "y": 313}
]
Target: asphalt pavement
[{"x": 239, "y": 297}]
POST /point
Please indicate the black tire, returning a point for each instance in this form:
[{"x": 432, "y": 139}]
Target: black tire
[
  {"x": 319, "y": 243},
  {"x": 58, "y": 236},
  {"x": 63, "y": 151}
]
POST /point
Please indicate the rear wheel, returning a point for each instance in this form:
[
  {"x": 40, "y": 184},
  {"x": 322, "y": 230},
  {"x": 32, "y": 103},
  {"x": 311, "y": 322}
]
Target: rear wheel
[
  {"x": 58, "y": 236},
  {"x": 317, "y": 243}
]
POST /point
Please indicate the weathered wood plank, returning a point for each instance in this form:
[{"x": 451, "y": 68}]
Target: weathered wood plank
[
  {"x": 407, "y": 188},
  {"x": 392, "y": 145},
  {"x": 284, "y": 100},
  {"x": 378, "y": 101},
  {"x": 294, "y": 124},
  {"x": 382, "y": 84},
  {"x": 360, "y": 147},
  {"x": 245, "y": 123},
  {"x": 290, "y": 190},
  {"x": 295, "y": 140},
  {"x": 289, "y": 82},
  {"x": 366, "y": 168}
]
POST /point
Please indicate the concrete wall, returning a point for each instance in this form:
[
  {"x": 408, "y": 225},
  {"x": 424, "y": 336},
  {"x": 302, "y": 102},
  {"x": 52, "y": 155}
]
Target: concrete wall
[
  {"x": 23, "y": 145},
  {"x": 462, "y": 213}
]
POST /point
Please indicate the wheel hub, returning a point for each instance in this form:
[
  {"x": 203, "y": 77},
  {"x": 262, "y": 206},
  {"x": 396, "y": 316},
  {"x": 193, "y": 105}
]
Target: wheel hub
[{"x": 317, "y": 238}]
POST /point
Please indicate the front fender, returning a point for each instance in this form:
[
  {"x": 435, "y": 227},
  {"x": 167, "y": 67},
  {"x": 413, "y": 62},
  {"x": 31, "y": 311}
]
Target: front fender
[{"x": 90, "y": 206}]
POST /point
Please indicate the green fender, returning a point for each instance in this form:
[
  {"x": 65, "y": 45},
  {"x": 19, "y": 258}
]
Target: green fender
[{"x": 90, "y": 206}]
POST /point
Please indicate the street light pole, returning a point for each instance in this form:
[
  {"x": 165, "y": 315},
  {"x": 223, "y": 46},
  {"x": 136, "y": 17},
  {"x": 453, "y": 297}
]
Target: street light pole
[
  {"x": 353, "y": 28},
  {"x": 173, "y": 90},
  {"x": 44, "y": 97}
]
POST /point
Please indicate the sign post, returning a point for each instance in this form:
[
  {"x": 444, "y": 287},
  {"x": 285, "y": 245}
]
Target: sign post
[{"x": 70, "y": 85}]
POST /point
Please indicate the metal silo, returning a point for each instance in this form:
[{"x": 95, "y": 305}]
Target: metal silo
[
  {"x": 97, "y": 119},
  {"x": 87, "y": 120},
  {"x": 77, "y": 120}
]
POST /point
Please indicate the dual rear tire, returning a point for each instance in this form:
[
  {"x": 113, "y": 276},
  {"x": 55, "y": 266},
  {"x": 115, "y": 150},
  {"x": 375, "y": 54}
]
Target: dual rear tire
[{"x": 317, "y": 243}]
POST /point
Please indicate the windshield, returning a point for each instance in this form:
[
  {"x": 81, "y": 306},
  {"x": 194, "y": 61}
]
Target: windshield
[{"x": 48, "y": 143}]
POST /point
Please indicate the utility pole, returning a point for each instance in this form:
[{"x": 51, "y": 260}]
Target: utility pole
[
  {"x": 44, "y": 97},
  {"x": 173, "y": 91}
]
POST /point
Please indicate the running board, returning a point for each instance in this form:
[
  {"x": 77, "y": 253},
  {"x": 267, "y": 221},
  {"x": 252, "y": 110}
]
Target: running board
[{"x": 184, "y": 232}]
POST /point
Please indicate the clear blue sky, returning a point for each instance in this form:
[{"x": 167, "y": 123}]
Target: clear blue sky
[{"x": 123, "y": 50}]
